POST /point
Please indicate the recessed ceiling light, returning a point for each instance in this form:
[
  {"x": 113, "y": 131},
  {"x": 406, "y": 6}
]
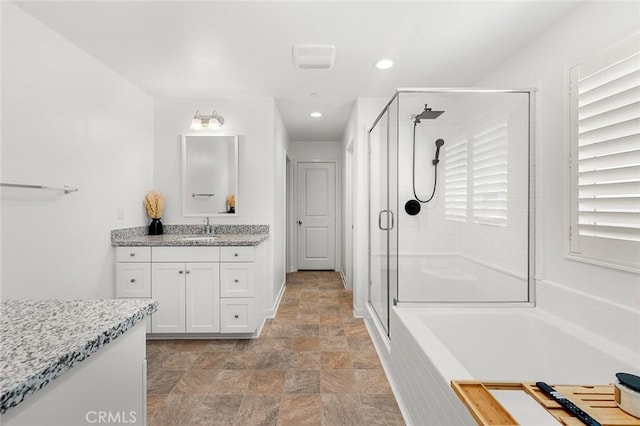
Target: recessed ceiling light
[
  {"x": 316, "y": 114},
  {"x": 383, "y": 64}
]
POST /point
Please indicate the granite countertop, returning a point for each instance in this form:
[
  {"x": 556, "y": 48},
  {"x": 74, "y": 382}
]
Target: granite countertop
[
  {"x": 42, "y": 339},
  {"x": 192, "y": 240},
  {"x": 192, "y": 235}
]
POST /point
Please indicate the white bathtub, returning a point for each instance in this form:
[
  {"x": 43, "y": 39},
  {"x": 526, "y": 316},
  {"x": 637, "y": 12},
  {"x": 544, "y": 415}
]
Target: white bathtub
[{"x": 430, "y": 348}]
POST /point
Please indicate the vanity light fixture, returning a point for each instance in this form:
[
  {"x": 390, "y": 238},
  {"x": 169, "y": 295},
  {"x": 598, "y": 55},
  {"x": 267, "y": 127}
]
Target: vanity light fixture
[
  {"x": 201, "y": 121},
  {"x": 383, "y": 64},
  {"x": 316, "y": 114}
]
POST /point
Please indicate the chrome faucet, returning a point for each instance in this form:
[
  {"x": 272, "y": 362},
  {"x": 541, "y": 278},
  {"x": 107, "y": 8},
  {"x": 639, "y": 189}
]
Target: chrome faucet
[{"x": 208, "y": 229}]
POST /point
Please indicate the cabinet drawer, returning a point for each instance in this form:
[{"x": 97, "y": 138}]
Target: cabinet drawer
[
  {"x": 133, "y": 280},
  {"x": 237, "y": 254},
  {"x": 236, "y": 280},
  {"x": 237, "y": 316},
  {"x": 186, "y": 254},
  {"x": 133, "y": 254}
]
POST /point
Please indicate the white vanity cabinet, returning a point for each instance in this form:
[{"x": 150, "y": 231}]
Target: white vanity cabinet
[
  {"x": 237, "y": 290},
  {"x": 186, "y": 283},
  {"x": 133, "y": 274},
  {"x": 199, "y": 289},
  {"x": 188, "y": 294}
]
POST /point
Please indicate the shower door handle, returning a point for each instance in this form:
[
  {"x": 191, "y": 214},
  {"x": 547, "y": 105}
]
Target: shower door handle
[{"x": 380, "y": 220}]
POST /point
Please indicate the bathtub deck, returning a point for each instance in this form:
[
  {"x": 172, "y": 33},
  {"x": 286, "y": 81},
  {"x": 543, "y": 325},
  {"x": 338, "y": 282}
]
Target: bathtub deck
[{"x": 597, "y": 400}]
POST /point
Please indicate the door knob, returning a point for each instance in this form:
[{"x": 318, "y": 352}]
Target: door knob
[
  {"x": 133, "y": 280},
  {"x": 299, "y": 222}
]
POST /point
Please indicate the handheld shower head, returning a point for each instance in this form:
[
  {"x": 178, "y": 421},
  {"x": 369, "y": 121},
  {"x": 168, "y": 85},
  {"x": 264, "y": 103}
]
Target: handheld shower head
[{"x": 439, "y": 143}]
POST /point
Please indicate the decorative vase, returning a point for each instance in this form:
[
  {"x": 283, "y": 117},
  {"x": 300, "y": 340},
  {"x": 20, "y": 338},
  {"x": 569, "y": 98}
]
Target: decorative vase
[{"x": 155, "y": 228}]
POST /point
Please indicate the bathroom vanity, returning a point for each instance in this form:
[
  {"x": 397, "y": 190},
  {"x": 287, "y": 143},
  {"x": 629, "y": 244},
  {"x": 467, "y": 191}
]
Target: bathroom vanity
[
  {"x": 70, "y": 362},
  {"x": 206, "y": 285}
]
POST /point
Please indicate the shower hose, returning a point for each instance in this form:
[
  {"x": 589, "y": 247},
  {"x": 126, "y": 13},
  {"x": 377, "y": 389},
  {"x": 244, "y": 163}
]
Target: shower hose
[{"x": 413, "y": 172}]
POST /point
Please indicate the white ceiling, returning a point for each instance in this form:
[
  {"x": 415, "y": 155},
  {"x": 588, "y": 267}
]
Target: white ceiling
[{"x": 243, "y": 48}]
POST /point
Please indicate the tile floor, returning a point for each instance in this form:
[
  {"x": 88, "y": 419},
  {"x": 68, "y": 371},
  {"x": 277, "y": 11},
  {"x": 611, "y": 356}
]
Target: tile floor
[{"x": 314, "y": 364}]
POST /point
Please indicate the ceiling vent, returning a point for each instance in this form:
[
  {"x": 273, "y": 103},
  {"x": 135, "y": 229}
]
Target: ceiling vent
[{"x": 313, "y": 56}]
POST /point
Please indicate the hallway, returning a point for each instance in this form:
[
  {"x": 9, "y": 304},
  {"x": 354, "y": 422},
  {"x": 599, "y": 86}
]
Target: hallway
[{"x": 314, "y": 364}]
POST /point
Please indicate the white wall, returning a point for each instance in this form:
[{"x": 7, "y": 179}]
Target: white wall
[
  {"x": 590, "y": 27},
  {"x": 261, "y": 139},
  {"x": 67, "y": 119},
  {"x": 306, "y": 151},
  {"x": 278, "y": 238},
  {"x": 252, "y": 119},
  {"x": 364, "y": 113}
]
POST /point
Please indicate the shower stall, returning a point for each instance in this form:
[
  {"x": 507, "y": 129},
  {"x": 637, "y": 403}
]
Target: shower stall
[{"x": 451, "y": 200}]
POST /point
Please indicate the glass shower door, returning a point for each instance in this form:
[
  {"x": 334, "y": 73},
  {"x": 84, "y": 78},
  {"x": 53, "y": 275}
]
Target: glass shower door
[
  {"x": 379, "y": 221},
  {"x": 383, "y": 204}
]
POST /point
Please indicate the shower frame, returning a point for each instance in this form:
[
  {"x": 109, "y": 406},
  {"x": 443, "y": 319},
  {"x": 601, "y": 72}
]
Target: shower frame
[{"x": 531, "y": 185}]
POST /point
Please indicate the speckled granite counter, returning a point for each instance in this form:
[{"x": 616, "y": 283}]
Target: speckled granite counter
[
  {"x": 191, "y": 235},
  {"x": 42, "y": 339}
]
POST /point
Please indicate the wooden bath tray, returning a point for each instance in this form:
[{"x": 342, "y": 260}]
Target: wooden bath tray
[{"x": 598, "y": 401}]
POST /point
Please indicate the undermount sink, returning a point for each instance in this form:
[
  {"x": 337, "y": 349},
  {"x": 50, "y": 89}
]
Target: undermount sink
[{"x": 198, "y": 237}]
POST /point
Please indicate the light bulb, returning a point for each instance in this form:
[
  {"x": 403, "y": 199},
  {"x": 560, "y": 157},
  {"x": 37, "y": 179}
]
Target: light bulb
[{"x": 196, "y": 124}]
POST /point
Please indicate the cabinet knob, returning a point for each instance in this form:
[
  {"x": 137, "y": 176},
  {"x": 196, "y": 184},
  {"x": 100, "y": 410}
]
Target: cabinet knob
[
  {"x": 236, "y": 280},
  {"x": 236, "y": 316},
  {"x": 180, "y": 272},
  {"x": 132, "y": 254},
  {"x": 188, "y": 272},
  {"x": 235, "y": 254},
  {"x": 133, "y": 280}
]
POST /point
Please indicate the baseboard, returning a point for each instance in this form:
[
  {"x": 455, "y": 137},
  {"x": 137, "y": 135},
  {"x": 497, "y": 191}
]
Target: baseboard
[
  {"x": 343, "y": 278},
  {"x": 360, "y": 313},
  {"x": 272, "y": 312}
]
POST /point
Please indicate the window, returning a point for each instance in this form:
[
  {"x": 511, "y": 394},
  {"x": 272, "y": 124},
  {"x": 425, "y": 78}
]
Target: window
[
  {"x": 490, "y": 174},
  {"x": 455, "y": 174},
  {"x": 605, "y": 156}
]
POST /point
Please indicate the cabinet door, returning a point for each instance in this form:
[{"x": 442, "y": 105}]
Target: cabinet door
[
  {"x": 168, "y": 288},
  {"x": 237, "y": 315},
  {"x": 133, "y": 280},
  {"x": 203, "y": 297},
  {"x": 236, "y": 280}
]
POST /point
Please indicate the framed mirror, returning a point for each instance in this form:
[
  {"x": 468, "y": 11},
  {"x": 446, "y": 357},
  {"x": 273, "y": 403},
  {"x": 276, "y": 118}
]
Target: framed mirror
[{"x": 210, "y": 175}]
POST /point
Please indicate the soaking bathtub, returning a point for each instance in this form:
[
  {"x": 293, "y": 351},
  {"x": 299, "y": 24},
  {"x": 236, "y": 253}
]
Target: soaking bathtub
[{"x": 430, "y": 348}]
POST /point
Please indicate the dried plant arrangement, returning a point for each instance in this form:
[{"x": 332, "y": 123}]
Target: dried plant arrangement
[
  {"x": 231, "y": 200},
  {"x": 154, "y": 203}
]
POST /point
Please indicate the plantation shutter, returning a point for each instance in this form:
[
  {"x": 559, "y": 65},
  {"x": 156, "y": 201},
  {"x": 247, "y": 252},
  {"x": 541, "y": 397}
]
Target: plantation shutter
[
  {"x": 605, "y": 163},
  {"x": 490, "y": 174},
  {"x": 455, "y": 169}
]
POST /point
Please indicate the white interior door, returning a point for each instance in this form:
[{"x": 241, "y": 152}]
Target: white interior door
[{"x": 316, "y": 199}]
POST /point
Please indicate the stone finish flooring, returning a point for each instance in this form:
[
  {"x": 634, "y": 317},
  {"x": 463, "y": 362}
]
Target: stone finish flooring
[{"x": 314, "y": 364}]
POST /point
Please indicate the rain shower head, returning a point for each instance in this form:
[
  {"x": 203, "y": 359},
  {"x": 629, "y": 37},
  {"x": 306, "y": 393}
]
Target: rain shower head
[{"x": 427, "y": 114}]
